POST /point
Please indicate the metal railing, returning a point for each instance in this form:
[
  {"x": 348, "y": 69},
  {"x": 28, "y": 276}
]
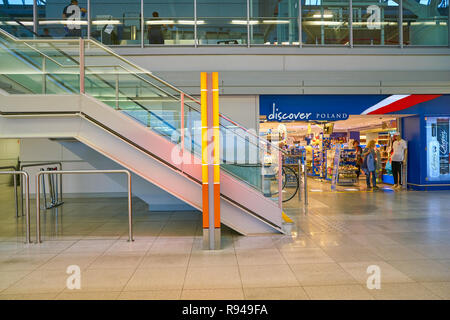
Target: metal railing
[
  {"x": 15, "y": 188},
  {"x": 38, "y": 196},
  {"x": 27, "y": 198},
  {"x": 42, "y": 164}
]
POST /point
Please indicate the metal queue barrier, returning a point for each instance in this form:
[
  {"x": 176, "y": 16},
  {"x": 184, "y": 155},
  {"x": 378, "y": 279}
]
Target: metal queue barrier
[
  {"x": 27, "y": 198},
  {"x": 54, "y": 191},
  {"x": 302, "y": 174},
  {"x": 60, "y": 172},
  {"x": 58, "y": 191},
  {"x": 13, "y": 168}
]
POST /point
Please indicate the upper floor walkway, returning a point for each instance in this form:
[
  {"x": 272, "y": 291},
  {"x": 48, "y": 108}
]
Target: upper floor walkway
[{"x": 234, "y": 23}]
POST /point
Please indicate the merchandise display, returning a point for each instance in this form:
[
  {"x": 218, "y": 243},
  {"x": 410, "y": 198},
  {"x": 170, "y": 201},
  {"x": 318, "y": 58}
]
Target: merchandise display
[
  {"x": 438, "y": 154},
  {"x": 347, "y": 167}
]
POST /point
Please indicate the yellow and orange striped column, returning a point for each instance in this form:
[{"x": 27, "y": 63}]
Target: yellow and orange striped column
[{"x": 210, "y": 160}]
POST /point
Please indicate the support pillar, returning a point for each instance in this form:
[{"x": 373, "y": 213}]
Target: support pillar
[{"x": 210, "y": 160}]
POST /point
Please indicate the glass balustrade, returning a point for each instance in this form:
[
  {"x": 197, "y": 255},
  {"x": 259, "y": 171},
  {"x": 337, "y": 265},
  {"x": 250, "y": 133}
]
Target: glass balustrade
[{"x": 51, "y": 66}]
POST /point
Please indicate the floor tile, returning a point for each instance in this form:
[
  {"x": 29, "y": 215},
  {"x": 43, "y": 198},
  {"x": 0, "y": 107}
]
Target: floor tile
[
  {"x": 341, "y": 292},
  {"x": 389, "y": 274},
  {"x": 287, "y": 293},
  {"x": 76, "y": 295},
  {"x": 321, "y": 274},
  {"x": 255, "y": 257},
  {"x": 212, "y": 277},
  {"x": 442, "y": 289},
  {"x": 403, "y": 291},
  {"x": 305, "y": 255},
  {"x": 158, "y": 278},
  {"x": 423, "y": 270},
  {"x": 213, "y": 294},
  {"x": 150, "y": 295},
  {"x": 267, "y": 276}
]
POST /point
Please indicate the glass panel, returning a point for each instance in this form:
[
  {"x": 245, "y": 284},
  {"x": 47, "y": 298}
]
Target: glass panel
[
  {"x": 116, "y": 22},
  {"x": 425, "y": 23},
  {"x": 169, "y": 22},
  {"x": 63, "y": 18},
  {"x": 375, "y": 23},
  {"x": 16, "y": 18},
  {"x": 222, "y": 22},
  {"x": 39, "y": 67},
  {"x": 325, "y": 22},
  {"x": 274, "y": 22}
]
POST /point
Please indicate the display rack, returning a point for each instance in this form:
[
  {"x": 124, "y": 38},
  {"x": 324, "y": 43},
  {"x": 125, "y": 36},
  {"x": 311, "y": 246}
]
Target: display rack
[{"x": 346, "y": 172}]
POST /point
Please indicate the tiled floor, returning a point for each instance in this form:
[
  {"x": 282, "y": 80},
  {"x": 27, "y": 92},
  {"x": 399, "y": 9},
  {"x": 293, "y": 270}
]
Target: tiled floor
[{"x": 405, "y": 234}]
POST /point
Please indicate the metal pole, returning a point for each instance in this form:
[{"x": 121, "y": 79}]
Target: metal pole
[
  {"x": 89, "y": 19},
  {"x": 248, "y": 23},
  {"x": 44, "y": 75},
  {"x": 182, "y": 129},
  {"x": 117, "y": 89},
  {"x": 38, "y": 208},
  {"x": 35, "y": 18},
  {"x": 15, "y": 196},
  {"x": 81, "y": 66},
  {"x": 142, "y": 24},
  {"x": 130, "y": 209},
  {"x": 280, "y": 180},
  {"x": 300, "y": 26},
  {"x": 299, "y": 178},
  {"x": 305, "y": 185},
  {"x": 27, "y": 204},
  {"x": 195, "y": 24},
  {"x": 42, "y": 173},
  {"x": 400, "y": 22},
  {"x": 351, "y": 24},
  {"x": 27, "y": 199}
]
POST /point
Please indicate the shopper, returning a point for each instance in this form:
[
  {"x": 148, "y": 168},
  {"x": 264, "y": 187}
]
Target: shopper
[
  {"x": 359, "y": 160},
  {"x": 155, "y": 32},
  {"x": 398, "y": 158},
  {"x": 73, "y": 12},
  {"x": 370, "y": 164}
]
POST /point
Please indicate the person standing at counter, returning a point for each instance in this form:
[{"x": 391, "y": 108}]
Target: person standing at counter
[{"x": 398, "y": 158}]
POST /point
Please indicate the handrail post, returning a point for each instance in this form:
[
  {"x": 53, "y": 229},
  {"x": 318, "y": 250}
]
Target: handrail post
[
  {"x": 182, "y": 129},
  {"x": 15, "y": 196},
  {"x": 27, "y": 196},
  {"x": 299, "y": 179},
  {"x": 130, "y": 209},
  {"x": 38, "y": 207},
  {"x": 305, "y": 184},
  {"x": 280, "y": 180},
  {"x": 38, "y": 191},
  {"x": 82, "y": 66}
]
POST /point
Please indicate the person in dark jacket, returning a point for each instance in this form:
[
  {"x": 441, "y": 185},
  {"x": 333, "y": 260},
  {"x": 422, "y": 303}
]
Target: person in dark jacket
[
  {"x": 370, "y": 164},
  {"x": 155, "y": 31}
]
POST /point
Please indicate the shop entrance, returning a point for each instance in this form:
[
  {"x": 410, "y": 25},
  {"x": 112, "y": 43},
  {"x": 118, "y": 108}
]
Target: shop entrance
[{"x": 327, "y": 150}]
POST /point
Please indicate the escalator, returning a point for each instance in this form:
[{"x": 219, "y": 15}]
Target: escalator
[{"x": 135, "y": 119}]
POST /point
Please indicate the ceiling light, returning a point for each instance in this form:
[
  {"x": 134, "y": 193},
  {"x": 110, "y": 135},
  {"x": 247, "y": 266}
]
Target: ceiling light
[
  {"x": 106, "y": 22},
  {"x": 326, "y": 15},
  {"x": 276, "y": 21},
  {"x": 159, "y": 22},
  {"x": 191, "y": 22}
]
